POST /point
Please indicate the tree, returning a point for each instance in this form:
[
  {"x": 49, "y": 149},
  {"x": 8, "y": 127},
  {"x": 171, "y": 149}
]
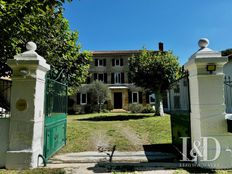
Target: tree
[
  {"x": 42, "y": 22},
  {"x": 154, "y": 71},
  {"x": 100, "y": 93},
  {"x": 227, "y": 52}
]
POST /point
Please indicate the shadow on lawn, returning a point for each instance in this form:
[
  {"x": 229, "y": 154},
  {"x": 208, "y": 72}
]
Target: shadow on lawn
[{"x": 115, "y": 118}]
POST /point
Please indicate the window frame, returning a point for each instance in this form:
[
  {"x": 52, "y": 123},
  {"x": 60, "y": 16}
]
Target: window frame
[
  {"x": 98, "y": 77},
  {"x": 150, "y": 102},
  {"x": 117, "y": 62},
  {"x": 119, "y": 78},
  {"x": 132, "y": 97},
  {"x": 102, "y": 64},
  {"x": 81, "y": 97}
]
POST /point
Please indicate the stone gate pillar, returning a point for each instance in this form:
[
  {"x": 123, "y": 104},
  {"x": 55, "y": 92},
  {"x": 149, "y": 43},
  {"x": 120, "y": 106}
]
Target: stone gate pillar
[
  {"x": 211, "y": 143},
  {"x": 27, "y": 109}
]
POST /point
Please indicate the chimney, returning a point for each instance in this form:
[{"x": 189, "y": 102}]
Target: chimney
[{"x": 161, "y": 46}]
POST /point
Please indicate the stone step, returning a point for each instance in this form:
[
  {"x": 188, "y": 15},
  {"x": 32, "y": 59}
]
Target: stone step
[
  {"x": 119, "y": 111},
  {"x": 94, "y": 157}
]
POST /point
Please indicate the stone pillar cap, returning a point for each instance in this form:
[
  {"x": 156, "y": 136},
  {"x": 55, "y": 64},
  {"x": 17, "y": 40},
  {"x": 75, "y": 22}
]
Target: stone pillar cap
[
  {"x": 204, "y": 51},
  {"x": 30, "y": 54}
]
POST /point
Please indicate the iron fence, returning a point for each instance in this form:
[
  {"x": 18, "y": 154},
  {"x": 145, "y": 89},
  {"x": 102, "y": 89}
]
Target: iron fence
[
  {"x": 228, "y": 93},
  {"x": 56, "y": 97},
  {"x": 5, "y": 95}
]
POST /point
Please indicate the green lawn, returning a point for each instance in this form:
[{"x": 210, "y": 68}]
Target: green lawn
[
  {"x": 127, "y": 131},
  {"x": 33, "y": 171}
]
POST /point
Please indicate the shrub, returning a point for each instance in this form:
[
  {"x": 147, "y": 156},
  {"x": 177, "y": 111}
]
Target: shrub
[
  {"x": 88, "y": 109},
  {"x": 148, "y": 109},
  {"x": 135, "y": 108}
]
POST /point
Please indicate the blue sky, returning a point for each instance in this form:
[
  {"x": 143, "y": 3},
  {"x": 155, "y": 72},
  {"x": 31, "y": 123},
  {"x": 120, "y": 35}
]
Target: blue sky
[{"x": 133, "y": 24}]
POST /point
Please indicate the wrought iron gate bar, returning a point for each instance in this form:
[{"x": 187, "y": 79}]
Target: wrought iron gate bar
[{"x": 228, "y": 93}]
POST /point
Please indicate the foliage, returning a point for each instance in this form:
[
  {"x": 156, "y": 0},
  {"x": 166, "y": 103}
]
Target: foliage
[
  {"x": 42, "y": 22},
  {"x": 99, "y": 93},
  {"x": 154, "y": 71},
  {"x": 136, "y": 108},
  {"x": 139, "y": 108},
  {"x": 227, "y": 52},
  {"x": 148, "y": 109}
]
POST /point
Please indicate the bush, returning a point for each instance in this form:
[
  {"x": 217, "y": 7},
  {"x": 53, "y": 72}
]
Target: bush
[
  {"x": 148, "y": 109},
  {"x": 88, "y": 109},
  {"x": 136, "y": 108},
  {"x": 105, "y": 111}
]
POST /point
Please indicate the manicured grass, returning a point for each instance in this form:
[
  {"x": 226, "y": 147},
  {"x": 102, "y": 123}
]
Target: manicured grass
[
  {"x": 192, "y": 170},
  {"x": 33, "y": 171},
  {"x": 125, "y": 130}
]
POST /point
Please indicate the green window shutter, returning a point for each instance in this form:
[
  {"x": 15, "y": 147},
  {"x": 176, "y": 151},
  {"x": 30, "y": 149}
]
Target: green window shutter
[
  {"x": 95, "y": 76},
  {"x": 130, "y": 96},
  {"x": 104, "y": 62},
  {"x": 121, "y": 62},
  {"x": 96, "y": 62},
  {"x": 105, "y": 77},
  {"x": 88, "y": 98},
  {"x": 140, "y": 97},
  {"x": 147, "y": 97},
  {"x": 78, "y": 98},
  {"x": 112, "y": 78},
  {"x": 122, "y": 78}
]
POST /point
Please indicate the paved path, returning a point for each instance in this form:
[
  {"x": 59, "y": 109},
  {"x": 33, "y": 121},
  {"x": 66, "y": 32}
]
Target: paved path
[{"x": 98, "y": 162}]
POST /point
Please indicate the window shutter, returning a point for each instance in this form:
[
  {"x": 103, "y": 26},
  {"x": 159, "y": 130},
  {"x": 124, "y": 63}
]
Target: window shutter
[
  {"x": 113, "y": 62},
  {"x": 122, "y": 78},
  {"x": 147, "y": 97},
  {"x": 130, "y": 96},
  {"x": 140, "y": 97},
  {"x": 112, "y": 78},
  {"x": 88, "y": 80},
  {"x": 105, "y": 77},
  {"x": 88, "y": 98},
  {"x": 121, "y": 62},
  {"x": 96, "y": 62},
  {"x": 104, "y": 62},
  {"x": 78, "y": 98},
  {"x": 95, "y": 76}
]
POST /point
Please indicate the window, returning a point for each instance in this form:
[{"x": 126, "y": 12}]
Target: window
[
  {"x": 100, "y": 62},
  {"x": 117, "y": 62},
  {"x": 83, "y": 99},
  {"x": 152, "y": 98},
  {"x": 117, "y": 78},
  {"x": 177, "y": 102},
  {"x": 101, "y": 77},
  {"x": 134, "y": 97},
  {"x": 185, "y": 83},
  {"x": 177, "y": 89}
]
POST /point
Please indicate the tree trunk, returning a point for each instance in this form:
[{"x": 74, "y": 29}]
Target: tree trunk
[{"x": 158, "y": 104}]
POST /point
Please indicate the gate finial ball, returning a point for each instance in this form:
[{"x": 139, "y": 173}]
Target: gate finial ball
[
  {"x": 203, "y": 43},
  {"x": 31, "y": 46}
]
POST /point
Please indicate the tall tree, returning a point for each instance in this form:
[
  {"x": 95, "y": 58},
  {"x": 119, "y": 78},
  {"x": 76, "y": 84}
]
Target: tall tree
[
  {"x": 154, "y": 71},
  {"x": 42, "y": 21}
]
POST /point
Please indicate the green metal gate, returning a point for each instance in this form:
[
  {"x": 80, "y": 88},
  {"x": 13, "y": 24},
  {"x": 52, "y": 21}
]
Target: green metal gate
[
  {"x": 180, "y": 116},
  {"x": 55, "y": 117}
]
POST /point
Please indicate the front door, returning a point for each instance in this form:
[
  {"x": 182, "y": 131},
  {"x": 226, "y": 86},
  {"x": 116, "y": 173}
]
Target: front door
[{"x": 117, "y": 100}]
